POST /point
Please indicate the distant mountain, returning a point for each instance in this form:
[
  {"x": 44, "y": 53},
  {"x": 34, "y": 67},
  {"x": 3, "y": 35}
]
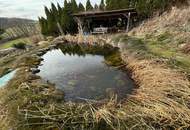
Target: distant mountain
[{"x": 12, "y": 22}]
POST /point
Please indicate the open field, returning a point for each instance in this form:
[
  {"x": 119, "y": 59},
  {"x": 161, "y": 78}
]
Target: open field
[{"x": 11, "y": 43}]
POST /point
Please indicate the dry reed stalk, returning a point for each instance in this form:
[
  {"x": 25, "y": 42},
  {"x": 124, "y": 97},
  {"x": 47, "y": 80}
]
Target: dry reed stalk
[
  {"x": 163, "y": 94},
  {"x": 89, "y": 39}
]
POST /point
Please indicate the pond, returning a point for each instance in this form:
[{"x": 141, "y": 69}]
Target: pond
[
  {"x": 6, "y": 78},
  {"x": 81, "y": 72}
]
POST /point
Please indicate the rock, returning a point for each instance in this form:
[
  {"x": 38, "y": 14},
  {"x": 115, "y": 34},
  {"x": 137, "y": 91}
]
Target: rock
[
  {"x": 9, "y": 70},
  {"x": 40, "y": 53},
  {"x": 39, "y": 58},
  {"x": 46, "y": 49},
  {"x": 33, "y": 77},
  {"x": 35, "y": 70}
]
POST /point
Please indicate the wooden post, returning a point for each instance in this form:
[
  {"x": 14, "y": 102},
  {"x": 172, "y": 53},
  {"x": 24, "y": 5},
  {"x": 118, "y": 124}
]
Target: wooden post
[
  {"x": 80, "y": 26},
  {"x": 128, "y": 21},
  {"x": 60, "y": 28}
]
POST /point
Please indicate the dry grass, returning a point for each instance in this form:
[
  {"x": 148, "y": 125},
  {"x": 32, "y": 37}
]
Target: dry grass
[
  {"x": 176, "y": 19},
  {"x": 36, "y": 38},
  {"x": 82, "y": 39},
  {"x": 186, "y": 48},
  {"x": 74, "y": 116},
  {"x": 160, "y": 102},
  {"x": 162, "y": 99},
  {"x": 3, "y": 116}
]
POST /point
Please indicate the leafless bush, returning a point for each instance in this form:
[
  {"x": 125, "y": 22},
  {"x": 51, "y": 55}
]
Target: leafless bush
[{"x": 36, "y": 38}]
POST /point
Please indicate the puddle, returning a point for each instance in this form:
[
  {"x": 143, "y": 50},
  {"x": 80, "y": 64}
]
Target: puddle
[{"x": 81, "y": 73}]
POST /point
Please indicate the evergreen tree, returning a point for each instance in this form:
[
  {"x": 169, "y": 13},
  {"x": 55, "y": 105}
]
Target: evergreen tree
[
  {"x": 74, "y": 6},
  {"x": 124, "y": 4},
  {"x": 88, "y": 6},
  {"x": 47, "y": 12},
  {"x": 54, "y": 9},
  {"x": 43, "y": 25},
  {"x": 112, "y": 4},
  {"x": 65, "y": 3},
  {"x": 96, "y": 7},
  {"x": 59, "y": 10},
  {"x": 102, "y": 5},
  {"x": 61, "y": 18},
  {"x": 81, "y": 7}
]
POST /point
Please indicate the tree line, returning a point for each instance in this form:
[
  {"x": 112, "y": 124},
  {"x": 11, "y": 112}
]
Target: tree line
[{"x": 59, "y": 19}]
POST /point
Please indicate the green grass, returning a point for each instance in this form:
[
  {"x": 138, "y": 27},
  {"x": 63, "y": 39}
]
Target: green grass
[
  {"x": 162, "y": 46},
  {"x": 11, "y": 43}
]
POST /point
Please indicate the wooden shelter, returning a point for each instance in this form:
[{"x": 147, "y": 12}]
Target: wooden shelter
[{"x": 114, "y": 21}]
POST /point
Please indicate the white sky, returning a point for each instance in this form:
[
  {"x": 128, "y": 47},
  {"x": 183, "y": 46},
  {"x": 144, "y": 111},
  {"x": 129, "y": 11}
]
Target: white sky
[{"x": 30, "y": 9}]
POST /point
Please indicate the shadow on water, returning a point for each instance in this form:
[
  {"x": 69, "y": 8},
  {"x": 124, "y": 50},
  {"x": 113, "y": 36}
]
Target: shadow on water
[{"x": 82, "y": 72}]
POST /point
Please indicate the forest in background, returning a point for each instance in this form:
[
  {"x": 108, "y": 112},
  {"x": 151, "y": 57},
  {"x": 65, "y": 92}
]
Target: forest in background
[{"x": 59, "y": 17}]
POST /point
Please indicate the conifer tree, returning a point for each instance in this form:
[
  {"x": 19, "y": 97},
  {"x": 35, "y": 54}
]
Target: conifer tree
[
  {"x": 102, "y": 5},
  {"x": 112, "y": 4},
  {"x": 81, "y": 7},
  {"x": 96, "y": 7},
  {"x": 88, "y": 6},
  {"x": 123, "y": 4},
  {"x": 74, "y": 6}
]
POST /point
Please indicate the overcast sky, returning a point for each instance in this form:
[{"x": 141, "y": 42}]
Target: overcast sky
[{"x": 30, "y": 9}]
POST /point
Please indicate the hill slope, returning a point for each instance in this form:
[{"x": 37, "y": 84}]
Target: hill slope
[
  {"x": 12, "y": 22},
  {"x": 167, "y": 36}
]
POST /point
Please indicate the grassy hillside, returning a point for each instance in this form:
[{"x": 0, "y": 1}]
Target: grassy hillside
[
  {"x": 167, "y": 37},
  {"x": 16, "y": 28},
  {"x": 12, "y": 22}
]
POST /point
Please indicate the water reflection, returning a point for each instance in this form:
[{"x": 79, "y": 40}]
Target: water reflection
[{"x": 81, "y": 73}]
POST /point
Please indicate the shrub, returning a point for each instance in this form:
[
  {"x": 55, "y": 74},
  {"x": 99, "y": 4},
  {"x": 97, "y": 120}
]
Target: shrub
[
  {"x": 19, "y": 45},
  {"x": 36, "y": 38},
  {"x": 2, "y": 31}
]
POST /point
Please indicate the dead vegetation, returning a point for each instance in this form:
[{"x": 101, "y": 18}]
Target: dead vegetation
[
  {"x": 162, "y": 100},
  {"x": 186, "y": 48}
]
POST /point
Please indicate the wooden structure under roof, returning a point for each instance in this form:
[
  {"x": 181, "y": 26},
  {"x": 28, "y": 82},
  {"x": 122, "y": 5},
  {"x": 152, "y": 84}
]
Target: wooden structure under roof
[{"x": 87, "y": 21}]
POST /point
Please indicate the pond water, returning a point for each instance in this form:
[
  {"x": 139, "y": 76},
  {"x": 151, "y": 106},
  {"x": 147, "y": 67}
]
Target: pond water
[
  {"x": 82, "y": 73},
  {"x": 6, "y": 78}
]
